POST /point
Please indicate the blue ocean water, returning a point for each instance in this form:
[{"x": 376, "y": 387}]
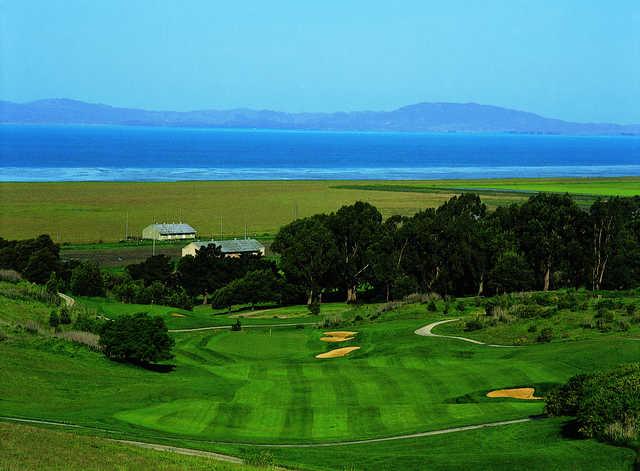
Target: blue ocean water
[{"x": 129, "y": 153}]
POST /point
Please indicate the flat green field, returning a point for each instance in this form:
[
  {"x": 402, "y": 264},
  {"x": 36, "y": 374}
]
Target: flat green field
[
  {"x": 95, "y": 211},
  {"x": 230, "y": 390}
]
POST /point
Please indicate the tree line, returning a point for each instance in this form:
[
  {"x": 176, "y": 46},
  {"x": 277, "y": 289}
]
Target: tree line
[{"x": 458, "y": 249}]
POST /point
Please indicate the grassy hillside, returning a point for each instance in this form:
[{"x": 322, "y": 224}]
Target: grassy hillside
[
  {"x": 30, "y": 448},
  {"x": 265, "y": 386}
]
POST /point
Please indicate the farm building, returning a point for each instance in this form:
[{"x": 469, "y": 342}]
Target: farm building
[
  {"x": 169, "y": 232},
  {"x": 229, "y": 248}
]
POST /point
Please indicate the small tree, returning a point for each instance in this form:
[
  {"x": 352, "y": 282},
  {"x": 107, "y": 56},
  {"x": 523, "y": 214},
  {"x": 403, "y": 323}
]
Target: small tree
[
  {"x": 54, "y": 285},
  {"x": 65, "y": 315},
  {"x": 86, "y": 280},
  {"x": 237, "y": 327},
  {"x": 137, "y": 338}
]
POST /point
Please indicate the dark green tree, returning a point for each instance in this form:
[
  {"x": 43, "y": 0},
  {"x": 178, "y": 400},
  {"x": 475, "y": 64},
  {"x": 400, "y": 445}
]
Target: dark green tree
[
  {"x": 355, "y": 229},
  {"x": 54, "y": 319},
  {"x": 40, "y": 265},
  {"x": 545, "y": 226},
  {"x": 155, "y": 268},
  {"x": 308, "y": 254},
  {"x": 137, "y": 338},
  {"x": 86, "y": 280}
]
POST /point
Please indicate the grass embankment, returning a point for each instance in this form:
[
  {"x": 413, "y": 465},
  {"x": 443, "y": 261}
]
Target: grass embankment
[
  {"x": 95, "y": 211},
  {"x": 31, "y": 448}
]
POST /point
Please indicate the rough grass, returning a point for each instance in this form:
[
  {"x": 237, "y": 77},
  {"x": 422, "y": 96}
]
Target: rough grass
[
  {"x": 30, "y": 448},
  {"x": 582, "y": 322}
]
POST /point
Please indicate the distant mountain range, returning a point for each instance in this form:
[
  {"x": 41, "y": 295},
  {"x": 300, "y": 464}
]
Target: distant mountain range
[{"x": 422, "y": 117}]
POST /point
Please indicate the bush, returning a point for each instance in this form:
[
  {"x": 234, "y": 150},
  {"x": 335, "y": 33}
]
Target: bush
[
  {"x": 546, "y": 335},
  {"x": 606, "y": 404},
  {"x": 532, "y": 328},
  {"x": 86, "y": 280},
  {"x": 314, "y": 308},
  {"x": 460, "y": 306},
  {"x": 474, "y": 324},
  {"x": 137, "y": 338},
  {"x": 65, "y": 316},
  {"x": 237, "y": 327},
  {"x": 631, "y": 309},
  {"x": 86, "y": 322},
  {"x": 54, "y": 319},
  {"x": 431, "y": 307},
  {"x": 605, "y": 315}
]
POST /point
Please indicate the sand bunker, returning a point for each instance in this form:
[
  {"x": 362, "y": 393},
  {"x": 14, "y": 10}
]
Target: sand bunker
[
  {"x": 336, "y": 339},
  {"x": 177, "y": 314},
  {"x": 338, "y": 352},
  {"x": 341, "y": 333},
  {"x": 518, "y": 393}
]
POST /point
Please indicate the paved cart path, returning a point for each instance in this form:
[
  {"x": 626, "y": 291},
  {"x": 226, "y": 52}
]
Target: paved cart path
[{"x": 426, "y": 331}]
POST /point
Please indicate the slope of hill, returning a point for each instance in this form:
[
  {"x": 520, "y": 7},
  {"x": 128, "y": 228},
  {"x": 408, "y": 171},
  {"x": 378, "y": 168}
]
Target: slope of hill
[{"x": 422, "y": 117}]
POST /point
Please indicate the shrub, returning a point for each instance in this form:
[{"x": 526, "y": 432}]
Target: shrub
[
  {"x": 65, "y": 316},
  {"x": 623, "y": 326},
  {"x": 606, "y": 404},
  {"x": 86, "y": 280},
  {"x": 605, "y": 315},
  {"x": 546, "y": 335},
  {"x": 54, "y": 319},
  {"x": 460, "y": 306},
  {"x": 631, "y": 309},
  {"x": 314, "y": 308},
  {"x": 532, "y": 328},
  {"x": 262, "y": 458},
  {"x": 431, "y": 307},
  {"x": 137, "y": 338},
  {"x": 237, "y": 327},
  {"x": 87, "y": 323},
  {"x": 474, "y": 324}
]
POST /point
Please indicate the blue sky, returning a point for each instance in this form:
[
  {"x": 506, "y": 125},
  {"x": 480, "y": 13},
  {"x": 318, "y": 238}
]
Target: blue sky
[{"x": 575, "y": 60}]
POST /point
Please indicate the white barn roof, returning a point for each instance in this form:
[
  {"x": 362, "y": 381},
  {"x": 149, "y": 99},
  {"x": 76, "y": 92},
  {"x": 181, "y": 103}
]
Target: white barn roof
[
  {"x": 168, "y": 229},
  {"x": 233, "y": 245}
]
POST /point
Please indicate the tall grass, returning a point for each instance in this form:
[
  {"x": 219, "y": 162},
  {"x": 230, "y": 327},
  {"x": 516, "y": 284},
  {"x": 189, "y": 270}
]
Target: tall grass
[{"x": 29, "y": 292}]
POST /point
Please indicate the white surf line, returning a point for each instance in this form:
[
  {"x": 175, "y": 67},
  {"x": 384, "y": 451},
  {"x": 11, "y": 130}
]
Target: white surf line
[
  {"x": 253, "y": 326},
  {"x": 426, "y": 332},
  {"x": 284, "y": 445}
]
